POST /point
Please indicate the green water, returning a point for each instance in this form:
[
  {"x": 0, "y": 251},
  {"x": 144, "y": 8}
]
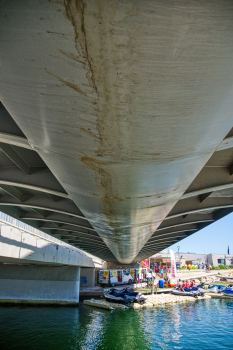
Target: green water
[{"x": 203, "y": 324}]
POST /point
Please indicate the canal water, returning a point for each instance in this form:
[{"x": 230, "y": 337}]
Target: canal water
[{"x": 202, "y": 324}]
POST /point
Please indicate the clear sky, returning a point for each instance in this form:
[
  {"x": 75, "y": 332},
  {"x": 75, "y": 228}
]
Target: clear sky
[{"x": 214, "y": 238}]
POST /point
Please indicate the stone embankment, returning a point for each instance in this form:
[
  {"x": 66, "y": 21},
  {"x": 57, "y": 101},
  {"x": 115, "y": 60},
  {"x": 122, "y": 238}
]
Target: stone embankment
[
  {"x": 161, "y": 299},
  {"x": 152, "y": 300}
]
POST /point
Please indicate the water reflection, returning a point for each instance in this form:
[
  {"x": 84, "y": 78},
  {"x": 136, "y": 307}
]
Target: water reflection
[
  {"x": 92, "y": 331},
  {"x": 207, "y": 324}
]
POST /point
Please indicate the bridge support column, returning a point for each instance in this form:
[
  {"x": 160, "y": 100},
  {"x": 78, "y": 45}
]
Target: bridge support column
[{"x": 35, "y": 284}]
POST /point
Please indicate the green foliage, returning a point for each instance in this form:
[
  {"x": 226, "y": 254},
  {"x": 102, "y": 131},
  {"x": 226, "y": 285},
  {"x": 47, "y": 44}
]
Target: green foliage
[{"x": 221, "y": 267}]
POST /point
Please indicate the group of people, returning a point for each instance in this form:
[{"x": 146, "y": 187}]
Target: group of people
[
  {"x": 186, "y": 284},
  {"x": 206, "y": 267}
]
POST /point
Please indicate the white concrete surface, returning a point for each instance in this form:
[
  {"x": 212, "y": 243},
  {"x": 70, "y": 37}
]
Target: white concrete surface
[
  {"x": 39, "y": 283},
  {"x": 19, "y": 247},
  {"x": 126, "y": 112}
]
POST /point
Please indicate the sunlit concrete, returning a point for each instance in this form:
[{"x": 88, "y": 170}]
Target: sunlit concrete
[
  {"x": 39, "y": 284},
  {"x": 17, "y": 247},
  {"x": 124, "y": 101}
]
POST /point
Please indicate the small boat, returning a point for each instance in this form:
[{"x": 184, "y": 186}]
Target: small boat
[
  {"x": 204, "y": 288},
  {"x": 187, "y": 292},
  {"x": 124, "y": 296},
  {"x": 228, "y": 291}
]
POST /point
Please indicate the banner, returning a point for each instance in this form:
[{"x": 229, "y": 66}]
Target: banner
[
  {"x": 144, "y": 263},
  {"x": 173, "y": 267}
]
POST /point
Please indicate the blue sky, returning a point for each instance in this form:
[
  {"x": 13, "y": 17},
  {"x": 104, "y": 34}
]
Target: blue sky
[{"x": 214, "y": 238}]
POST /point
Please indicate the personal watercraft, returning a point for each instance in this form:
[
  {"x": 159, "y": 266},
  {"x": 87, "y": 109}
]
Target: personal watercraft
[
  {"x": 124, "y": 296},
  {"x": 187, "y": 292},
  {"x": 228, "y": 291},
  {"x": 203, "y": 288}
]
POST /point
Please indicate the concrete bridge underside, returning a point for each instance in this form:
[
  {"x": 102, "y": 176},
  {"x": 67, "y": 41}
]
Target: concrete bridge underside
[{"x": 116, "y": 120}]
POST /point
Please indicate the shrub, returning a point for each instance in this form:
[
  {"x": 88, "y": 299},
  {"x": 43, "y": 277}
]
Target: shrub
[{"x": 222, "y": 267}]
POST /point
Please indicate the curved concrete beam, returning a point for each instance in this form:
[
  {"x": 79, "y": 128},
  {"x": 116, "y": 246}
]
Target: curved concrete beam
[
  {"x": 161, "y": 240},
  {"x": 56, "y": 220},
  {"x": 40, "y": 207},
  {"x": 207, "y": 190},
  {"x": 199, "y": 211},
  {"x": 15, "y": 140},
  {"x": 35, "y": 188},
  {"x": 64, "y": 206},
  {"x": 225, "y": 144},
  {"x": 186, "y": 223},
  {"x": 154, "y": 237},
  {"x": 42, "y": 180},
  {"x": 193, "y": 205}
]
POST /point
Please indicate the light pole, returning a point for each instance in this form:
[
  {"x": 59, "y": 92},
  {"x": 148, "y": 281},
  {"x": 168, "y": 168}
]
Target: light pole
[{"x": 178, "y": 248}]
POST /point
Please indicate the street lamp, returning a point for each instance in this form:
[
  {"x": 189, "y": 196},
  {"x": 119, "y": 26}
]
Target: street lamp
[{"x": 178, "y": 248}]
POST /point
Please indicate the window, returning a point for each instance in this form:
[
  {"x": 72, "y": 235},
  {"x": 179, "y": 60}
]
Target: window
[
  {"x": 221, "y": 262},
  {"x": 126, "y": 273}
]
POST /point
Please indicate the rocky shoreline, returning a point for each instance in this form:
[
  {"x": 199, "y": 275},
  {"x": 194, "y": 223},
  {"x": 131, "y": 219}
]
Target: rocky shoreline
[{"x": 152, "y": 300}]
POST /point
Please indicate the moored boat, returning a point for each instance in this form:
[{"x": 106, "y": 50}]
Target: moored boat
[
  {"x": 204, "y": 288},
  {"x": 188, "y": 292},
  {"x": 228, "y": 291},
  {"x": 124, "y": 296}
]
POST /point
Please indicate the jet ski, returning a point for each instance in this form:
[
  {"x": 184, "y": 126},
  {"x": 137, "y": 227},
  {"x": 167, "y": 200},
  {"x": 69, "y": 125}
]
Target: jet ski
[
  {"x": 203, "y": 288},
  {"x": 228, "y": 291},
  {"x": 124, "y": 296},
  {"x": 187, "y": 292}
]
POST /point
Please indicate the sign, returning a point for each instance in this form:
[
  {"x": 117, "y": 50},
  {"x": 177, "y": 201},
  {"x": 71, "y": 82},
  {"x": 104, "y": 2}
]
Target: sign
[
  {"x": 132, "y": 272},
  {"x": 144, "y": 263},
  {"x": 173, "y": 267},
  {"x": 111, "y": 275},
  {"x": 105, "y": 273},
  {"x": 114, "y": 273}
]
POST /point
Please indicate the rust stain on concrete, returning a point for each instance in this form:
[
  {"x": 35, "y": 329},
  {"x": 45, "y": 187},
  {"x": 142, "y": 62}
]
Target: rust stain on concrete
[
  {"x": 75, "y": 12},
  {"x": 73, "y": 57},
  {"x": 90, "y": 133},
  {"x": 67, "y": 83}
]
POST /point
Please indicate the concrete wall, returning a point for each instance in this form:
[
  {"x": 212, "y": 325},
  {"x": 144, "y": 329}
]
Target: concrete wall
[
  {"x": 39, "y": 283},
  {"x": 213, "y": 259},
  {"x": 26, "y": 247},
  {"x": 89, "y": 273}
]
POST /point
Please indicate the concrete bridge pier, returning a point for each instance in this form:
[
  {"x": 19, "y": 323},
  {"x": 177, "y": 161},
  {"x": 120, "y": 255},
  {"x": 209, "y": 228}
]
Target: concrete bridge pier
[
  {"x": 37, "y": 268},
  {"x": 33, "y": 284}
]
